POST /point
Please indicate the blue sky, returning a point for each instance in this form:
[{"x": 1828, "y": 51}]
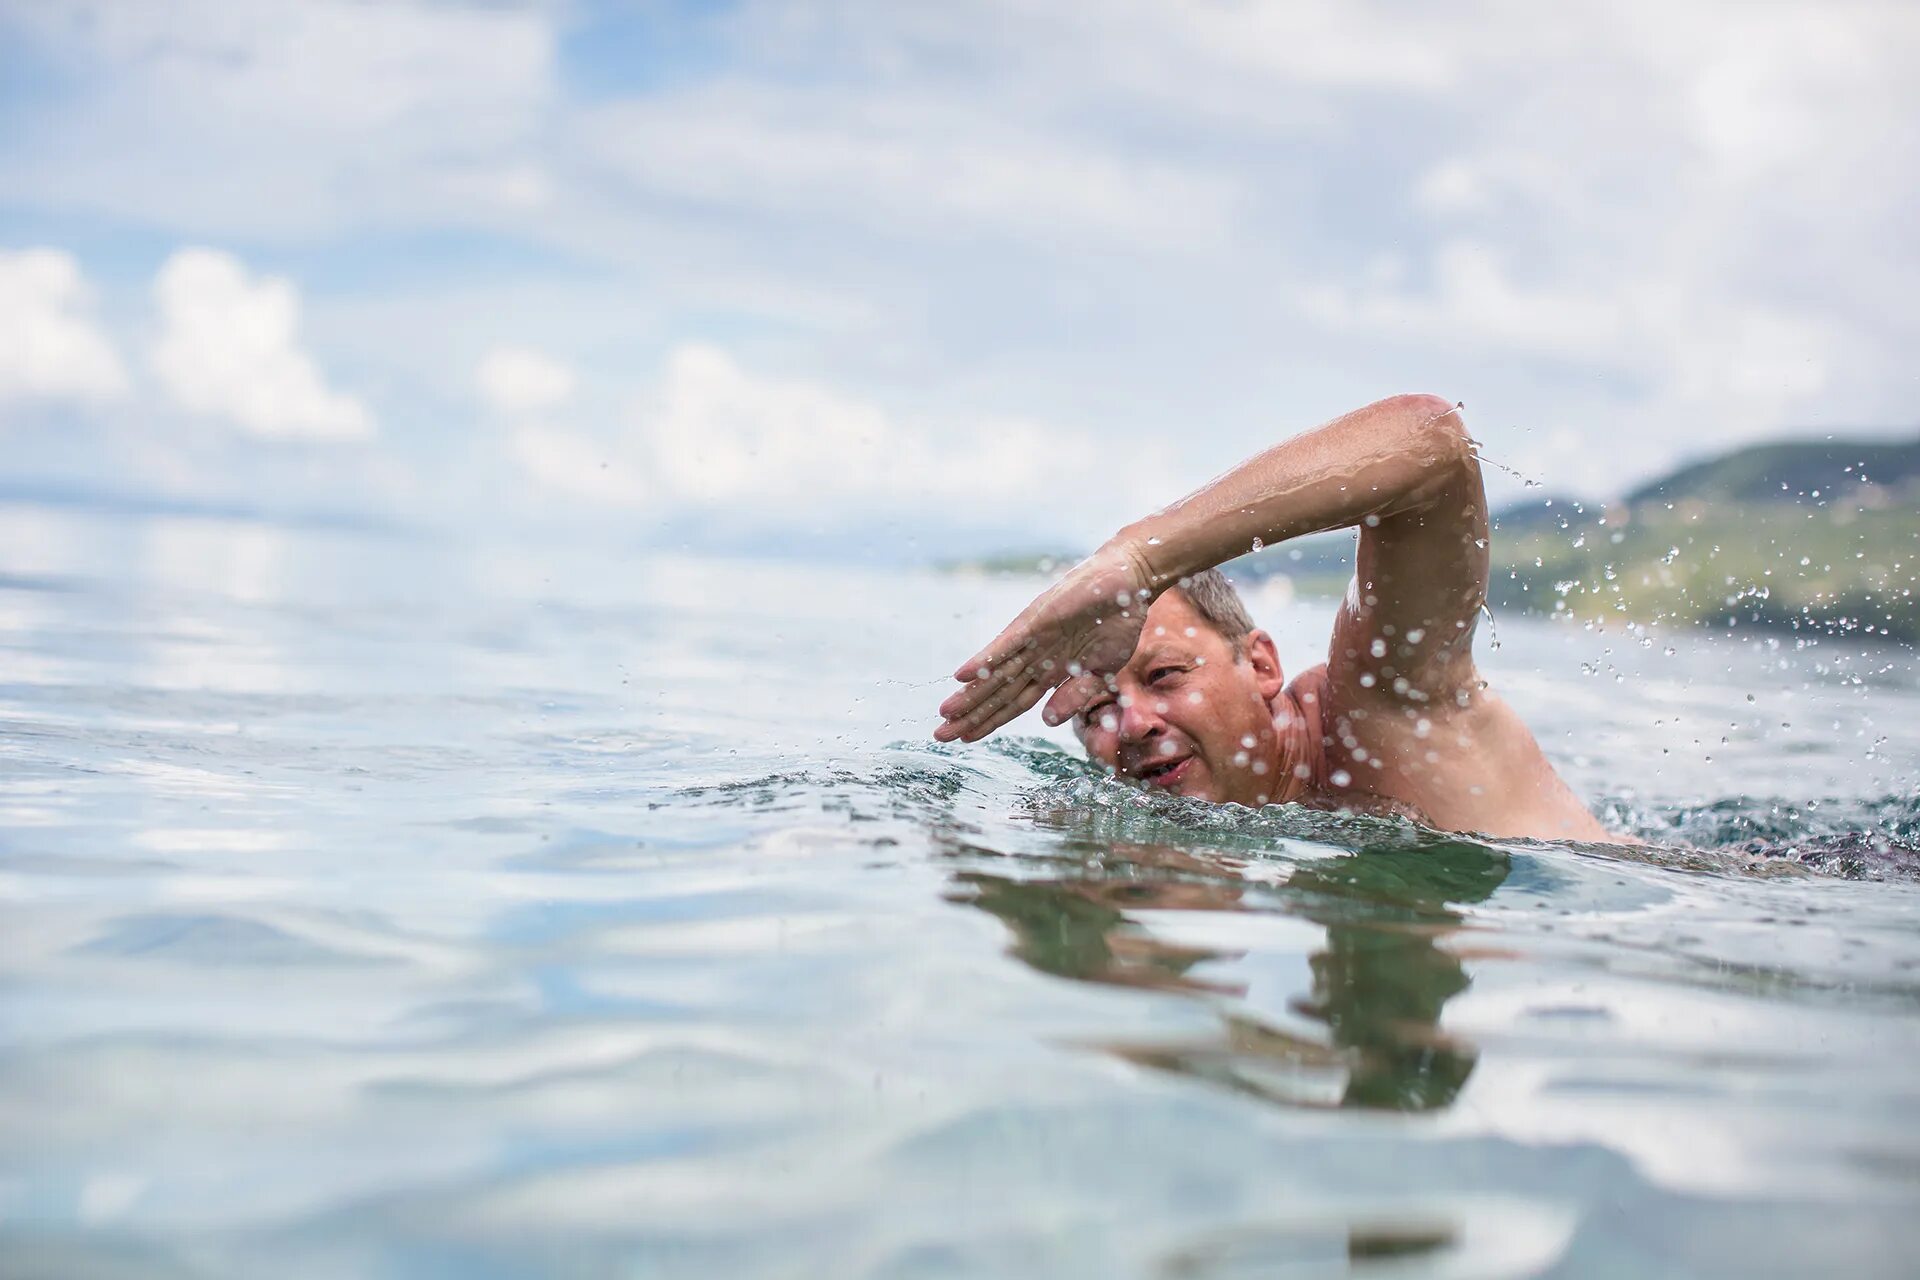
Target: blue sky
[{"x": 1005, "y": 271}]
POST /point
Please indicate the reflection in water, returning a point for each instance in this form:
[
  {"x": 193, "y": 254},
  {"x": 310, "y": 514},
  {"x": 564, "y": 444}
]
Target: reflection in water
[{"x": 1378, "y": 984}]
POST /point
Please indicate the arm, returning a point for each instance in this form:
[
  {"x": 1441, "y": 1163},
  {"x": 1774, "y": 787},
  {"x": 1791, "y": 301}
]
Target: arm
[{"x": 1403, "y": 470}]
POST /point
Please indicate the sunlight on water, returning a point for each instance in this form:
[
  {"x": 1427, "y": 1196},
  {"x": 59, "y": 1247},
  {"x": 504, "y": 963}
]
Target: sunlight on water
[{"x": 378, "y": 906}]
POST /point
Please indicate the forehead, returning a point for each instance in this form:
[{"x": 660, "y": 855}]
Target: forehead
[{"x": 1169, "y": 620}]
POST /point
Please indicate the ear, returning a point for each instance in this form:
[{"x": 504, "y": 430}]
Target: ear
[{"x": 1264, "y": 658}]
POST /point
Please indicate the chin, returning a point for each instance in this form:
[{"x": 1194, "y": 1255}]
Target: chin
[{"x": 1199, "y": 784}]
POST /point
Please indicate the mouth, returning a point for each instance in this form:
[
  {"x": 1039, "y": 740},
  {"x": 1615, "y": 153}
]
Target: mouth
[{"x": 1167, "y": 774}]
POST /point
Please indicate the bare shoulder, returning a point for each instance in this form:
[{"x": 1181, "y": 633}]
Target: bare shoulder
[
  {"x": 1310, "y": 688},
  {"x": 1466, "y": 762}
]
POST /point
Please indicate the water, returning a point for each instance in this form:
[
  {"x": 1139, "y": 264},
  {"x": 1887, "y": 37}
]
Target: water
[{"x": 380, "y": 905}]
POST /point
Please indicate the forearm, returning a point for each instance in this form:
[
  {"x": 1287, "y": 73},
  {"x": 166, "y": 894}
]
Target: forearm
[{"x": 1381, "y": 461}]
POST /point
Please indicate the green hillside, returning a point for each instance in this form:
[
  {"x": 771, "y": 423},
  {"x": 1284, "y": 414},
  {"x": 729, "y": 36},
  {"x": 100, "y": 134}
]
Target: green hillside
[
  {"x": 1792, "y": 470},
  {"x": 1810, "y": 567},
  {"x": 1819, "y": 536},
  {"x": 1812, "y": 537}
]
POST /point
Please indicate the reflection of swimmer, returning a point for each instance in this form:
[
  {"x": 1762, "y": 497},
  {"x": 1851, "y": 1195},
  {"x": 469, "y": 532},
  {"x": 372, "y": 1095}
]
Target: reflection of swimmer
[
  {"x": 1078, "y": 927},
  {"x": 1168, "y": 681},
  {"x": 1379, "y": 984}
]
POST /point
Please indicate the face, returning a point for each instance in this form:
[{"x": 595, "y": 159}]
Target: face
[{"x": 1187, "y": 715}]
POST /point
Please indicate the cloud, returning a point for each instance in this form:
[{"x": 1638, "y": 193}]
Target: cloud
[
  {"x": 515, "y": 381},
  {"x": 720, "y": 435},
  {"x": 228, "y": 349},
  {"x": 217, "y": 117},
  {"x": 1663, "y": 225},
  {"x": 712, "y": 435},
  {"x": 50, "y": 347},
  {"x": 1715, "y": 363},
  {"x": 572, "y": 464},
  {"x": 929, "y": 165}
]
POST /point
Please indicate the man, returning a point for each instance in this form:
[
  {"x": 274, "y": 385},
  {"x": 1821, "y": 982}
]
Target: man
[{"x": 1152, "y": 656}]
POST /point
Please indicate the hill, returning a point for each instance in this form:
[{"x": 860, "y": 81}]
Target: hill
[
  {"x": 1794, "y": 469},
  {"x": 1810, "y": 537}
]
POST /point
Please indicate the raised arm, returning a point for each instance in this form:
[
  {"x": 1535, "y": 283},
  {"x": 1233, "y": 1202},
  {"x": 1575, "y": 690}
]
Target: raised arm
[{"x": 1402, "y": 470}]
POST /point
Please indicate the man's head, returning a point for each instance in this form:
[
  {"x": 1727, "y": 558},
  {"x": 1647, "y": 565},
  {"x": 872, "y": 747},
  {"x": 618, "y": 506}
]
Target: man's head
[{"x": 1192, "y": 710}]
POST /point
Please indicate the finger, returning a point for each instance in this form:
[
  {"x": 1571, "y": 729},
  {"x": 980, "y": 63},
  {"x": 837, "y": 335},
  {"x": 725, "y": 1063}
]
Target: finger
[
  {"x": 1013, "y": 711},
  {"x": 1073, "y": 696},
  {"x": 986, "y": 711},
  {"x": 1014, "y": 700},
  {"x": 1011, "y": 640},
  {"x": 964, "y": 700},
  {"x": 959, "y": 704},
  {"x": 990, "y": 657}
]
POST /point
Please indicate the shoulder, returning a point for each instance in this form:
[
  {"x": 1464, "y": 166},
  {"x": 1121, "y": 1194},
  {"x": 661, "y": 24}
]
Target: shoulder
[{"x": 1311, "y": 689}]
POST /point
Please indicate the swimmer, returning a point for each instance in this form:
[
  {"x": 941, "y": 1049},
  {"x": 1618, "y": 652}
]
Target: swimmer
[{"x": 1150, "y": 654}]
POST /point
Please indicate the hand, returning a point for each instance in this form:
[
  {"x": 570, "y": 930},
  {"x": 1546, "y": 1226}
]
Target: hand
[{"x": 1075, "y": 635}]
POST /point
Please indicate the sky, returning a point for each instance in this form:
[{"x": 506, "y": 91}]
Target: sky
[{"x": 928, "y": 276}]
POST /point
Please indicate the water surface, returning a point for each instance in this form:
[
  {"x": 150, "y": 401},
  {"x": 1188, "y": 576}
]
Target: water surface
[{"x": 385, "y": 905}]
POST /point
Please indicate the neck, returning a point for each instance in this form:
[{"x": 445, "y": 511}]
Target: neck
[{"x": 1298, "y": 758}]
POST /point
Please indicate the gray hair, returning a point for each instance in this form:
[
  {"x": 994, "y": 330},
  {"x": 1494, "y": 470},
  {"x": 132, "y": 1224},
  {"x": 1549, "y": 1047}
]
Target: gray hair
[{"x": 1214, "y": 599}]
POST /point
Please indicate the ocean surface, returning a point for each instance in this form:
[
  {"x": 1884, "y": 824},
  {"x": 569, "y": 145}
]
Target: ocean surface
[{"x": 392, "y": 905}]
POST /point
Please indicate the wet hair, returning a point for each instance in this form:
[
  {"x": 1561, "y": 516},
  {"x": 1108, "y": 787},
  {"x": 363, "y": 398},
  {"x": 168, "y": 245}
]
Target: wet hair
[{"x": 1214, "y": 599}]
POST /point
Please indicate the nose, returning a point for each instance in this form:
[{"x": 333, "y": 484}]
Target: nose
[{"x": 1138, "y": 720}]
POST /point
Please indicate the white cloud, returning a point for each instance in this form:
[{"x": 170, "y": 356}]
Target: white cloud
[
  {"x": 220, "y": 117},
  {"x": 334, "y": 65},
  {"x": 573, "y": 464},
  {"x": 1451, "y": 187},
  {"x": 718, "y": 434},
  {"x": 50, "y": 347},
  {"x": 927, "y": 164},
  {"x": 1654, "y": 221},
  {"x": 713, "y": 435},
  {"x": 229, "y": 349},
  {"x": 1713, "y": 365},
  {"x": 515, "y": 381}
]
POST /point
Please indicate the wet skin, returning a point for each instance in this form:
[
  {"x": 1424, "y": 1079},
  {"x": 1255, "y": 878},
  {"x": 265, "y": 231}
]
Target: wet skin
[{"x": 1398, "y": 718}]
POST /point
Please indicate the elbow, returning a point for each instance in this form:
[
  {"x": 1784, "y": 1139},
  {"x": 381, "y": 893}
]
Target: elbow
[{"x": 1438, "y": 428}]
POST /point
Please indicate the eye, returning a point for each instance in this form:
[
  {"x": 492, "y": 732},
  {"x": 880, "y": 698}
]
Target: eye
[
  {"x": 1160, "y": 675},
  {"x": 1090, "y": 717}
]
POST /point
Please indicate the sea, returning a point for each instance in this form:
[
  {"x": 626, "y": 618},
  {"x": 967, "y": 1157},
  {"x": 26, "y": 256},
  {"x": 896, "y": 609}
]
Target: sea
[{"x": 379, "y": 902}]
